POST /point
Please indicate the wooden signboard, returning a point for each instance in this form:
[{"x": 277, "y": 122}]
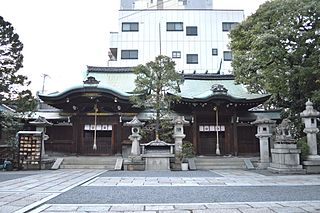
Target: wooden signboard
[{"x": 30, "y": 143}]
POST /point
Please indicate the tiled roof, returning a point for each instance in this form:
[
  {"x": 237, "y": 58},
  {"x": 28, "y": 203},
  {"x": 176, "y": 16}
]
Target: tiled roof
[
  {"x": 109, "y": 69},
  {"x": 196, "y": 87}
]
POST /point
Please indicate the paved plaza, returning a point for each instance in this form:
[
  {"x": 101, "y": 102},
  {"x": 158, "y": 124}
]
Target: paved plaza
[{"x": 67, "y": 190}]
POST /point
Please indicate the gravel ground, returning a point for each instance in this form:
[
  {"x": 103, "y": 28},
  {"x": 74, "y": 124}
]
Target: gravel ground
[
  {"x": 159, "y": 174},
  {"x": 143, "y": 195}
]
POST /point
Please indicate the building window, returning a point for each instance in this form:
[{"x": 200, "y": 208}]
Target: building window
[
  {"x": 129, "y": 54},
  {"x": 227, "y": 26},
  {"x": 227, "y": 55},
  {"x": 191, "y": 31},
  {"x": 174, "y": 26},
  {"x": 192, "y": 58},
  {"x": 183, "y": 2},
  {"x": 176, "y": 54},
  {"x": 214, "y": 51},
  {"x": 130, "y": 27}
]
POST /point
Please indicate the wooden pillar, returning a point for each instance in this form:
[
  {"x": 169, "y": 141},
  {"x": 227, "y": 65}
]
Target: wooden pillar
[
  {"x": 227, "y": 139},
  {"x": 118, "y": 139},
  {"x": 76, "y": 132},
  {"x": 113, "y": 138},
  {"x": 195, "y": 133},
  {"x": 235, "y": 135}
]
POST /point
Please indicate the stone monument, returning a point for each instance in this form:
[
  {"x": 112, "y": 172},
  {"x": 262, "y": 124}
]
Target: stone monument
[
  {"x": 134, "y": 161},
  {"x": 309, "y": 118},
  {"x": 285, "y": 154},
  {"x": 264, "y": 133}
]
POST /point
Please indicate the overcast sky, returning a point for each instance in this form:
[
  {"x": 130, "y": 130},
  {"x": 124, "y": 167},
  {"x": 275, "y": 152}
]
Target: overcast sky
[{"x": 62, "y": 37}]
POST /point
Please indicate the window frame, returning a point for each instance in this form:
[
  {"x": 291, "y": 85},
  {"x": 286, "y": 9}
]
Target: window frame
[
  {"x": 214, "y": 51},
  {"x": 227, "y": 53},
  {"x": 131, "y": 28},
  {"x": 174, "y": 28},
  {"x": 176, "y": 54},
  {"x": 191, "y": 33},
  {"x": 192, "y": 61},
  {"x": 129, "y": 52},
  {"x": 228, "y": 26}
]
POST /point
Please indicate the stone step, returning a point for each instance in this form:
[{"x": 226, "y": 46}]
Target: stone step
[
  {"x": 78, "y": 166},
  {"x": 219, "y": 163},
  {"x": 89, "y": 162},
  {"x": 206, "y": 163},
  {"x": 217, "y": 167}
]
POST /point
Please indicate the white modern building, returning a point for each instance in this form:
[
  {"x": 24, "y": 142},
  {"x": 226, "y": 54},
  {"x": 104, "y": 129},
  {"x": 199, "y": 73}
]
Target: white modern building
[{"x": 189, "y": 31}]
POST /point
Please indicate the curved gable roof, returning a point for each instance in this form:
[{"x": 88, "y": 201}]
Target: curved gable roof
[{"x": 119, "y": 82}]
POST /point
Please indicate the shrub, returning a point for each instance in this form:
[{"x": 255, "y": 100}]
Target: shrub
[{"x": 303, "y": 145}]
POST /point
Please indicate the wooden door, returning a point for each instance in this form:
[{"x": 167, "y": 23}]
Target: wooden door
[
  {"x": 103, "y": 143},
  {"x": 247, "y": 141},
  {"x": 208, "y": 141}
]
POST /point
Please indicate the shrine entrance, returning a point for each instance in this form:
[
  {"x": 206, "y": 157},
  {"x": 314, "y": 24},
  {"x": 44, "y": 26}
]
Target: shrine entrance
[
  {"x": 102, "y": 140},
  {"x": 208, "y": 139}
]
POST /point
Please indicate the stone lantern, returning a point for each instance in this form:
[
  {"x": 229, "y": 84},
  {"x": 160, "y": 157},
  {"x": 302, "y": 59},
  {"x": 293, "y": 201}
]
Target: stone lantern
[
  {"x": 135, "y": 137},
  {"x": 264, "y": 133},
  {"x": 309, "y": 117},
  {"x": 41, "y": 123},
  {"x": 178, "y": 133}
]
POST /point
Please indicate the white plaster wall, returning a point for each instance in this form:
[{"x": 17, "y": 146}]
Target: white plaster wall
[{"x": 147, "y": 41}]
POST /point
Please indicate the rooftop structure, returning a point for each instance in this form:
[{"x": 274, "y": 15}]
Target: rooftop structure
[{"x": 165, "y": 4}]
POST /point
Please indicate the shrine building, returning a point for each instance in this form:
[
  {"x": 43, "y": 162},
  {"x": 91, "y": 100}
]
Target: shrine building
[{"x": 216, "y": 108}]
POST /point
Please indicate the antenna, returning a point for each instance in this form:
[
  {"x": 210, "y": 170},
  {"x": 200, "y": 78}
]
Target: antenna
[{"x": 44, "y": 79}]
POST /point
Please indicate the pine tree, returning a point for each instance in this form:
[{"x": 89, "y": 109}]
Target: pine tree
[{"x": 157, "y": 87}]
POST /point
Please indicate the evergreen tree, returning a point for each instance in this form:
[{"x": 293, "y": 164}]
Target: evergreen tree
[
  {"x": 277, "y": 51},
  {"x": 157, "y": 86},
  {"x": 11, "y": 82}
]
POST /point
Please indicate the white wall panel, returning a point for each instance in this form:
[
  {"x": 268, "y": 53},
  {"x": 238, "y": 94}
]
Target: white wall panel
[{"x": 210, "y": 35}]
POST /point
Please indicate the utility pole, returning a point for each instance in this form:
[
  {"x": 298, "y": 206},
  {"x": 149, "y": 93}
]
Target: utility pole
[
  {"x": 44, "y": 79},
  {"x": 160, "y": 37}
]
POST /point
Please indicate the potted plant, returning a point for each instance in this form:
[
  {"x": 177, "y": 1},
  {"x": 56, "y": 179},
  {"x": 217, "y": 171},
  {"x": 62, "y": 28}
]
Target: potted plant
[{"x": 187, "y": 151}]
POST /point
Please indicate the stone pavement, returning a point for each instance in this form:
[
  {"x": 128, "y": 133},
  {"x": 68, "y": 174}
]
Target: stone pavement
[
  {"x": 33, "y": 192},
  {"x": 29, "y": 191},
  {"x": 226, "y": 178}
]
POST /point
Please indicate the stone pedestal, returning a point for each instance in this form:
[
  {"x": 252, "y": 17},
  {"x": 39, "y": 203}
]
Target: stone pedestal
[
  {"x": 312, "y": 166},
  {"x": 157, "y": 162},
  {"x": 133, "y": 165},
  {"x": 157, "y": 155},
  {"x": 286, "y": 159},
  {"x": 264, "y": 153},
  {"x": 285, "y": 155}
]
